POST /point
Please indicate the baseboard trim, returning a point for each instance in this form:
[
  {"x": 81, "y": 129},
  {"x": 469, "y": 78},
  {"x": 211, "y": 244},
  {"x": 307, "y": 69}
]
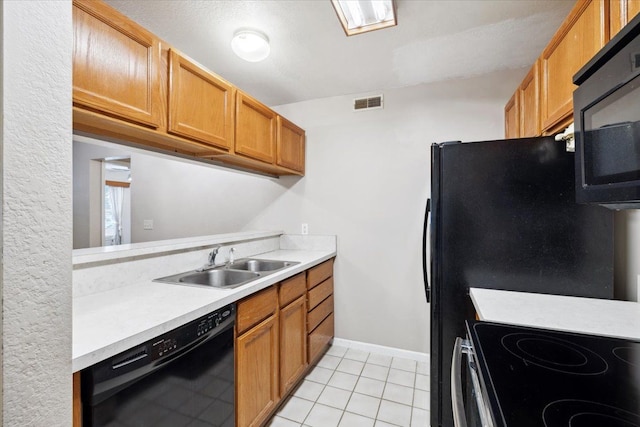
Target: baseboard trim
[{"x": 387, "y": 351}]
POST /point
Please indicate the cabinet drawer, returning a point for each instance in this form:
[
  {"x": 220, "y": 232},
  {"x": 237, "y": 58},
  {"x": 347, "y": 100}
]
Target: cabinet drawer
[
  {"x": 319, "y": 273},
  {"x": 292, "y": 289},
  {"x": 255, "y": 308},
  {"x": 320, "y": 313},
  {"x": 320, "y": 292},
  {"x": 319, "y": 338}
]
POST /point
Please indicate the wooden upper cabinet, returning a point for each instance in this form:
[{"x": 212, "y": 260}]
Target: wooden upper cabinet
[
  {"x": 512, "y": 117},
  {"x": 200, "y": 103},
  {"x": 255, "y": 129},
  {"x": 290, "y": 145},
  {"x": 580, "y": 37},
  {"x": 116, "y": 65},
  {"x": 622, "y": 11},
  {"x": 129, "y": 85},
  {"x": 528, "y": 98}
]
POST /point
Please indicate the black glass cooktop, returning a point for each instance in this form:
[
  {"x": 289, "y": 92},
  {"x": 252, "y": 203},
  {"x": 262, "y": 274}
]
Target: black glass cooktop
[{"x": 543, "y": 378}]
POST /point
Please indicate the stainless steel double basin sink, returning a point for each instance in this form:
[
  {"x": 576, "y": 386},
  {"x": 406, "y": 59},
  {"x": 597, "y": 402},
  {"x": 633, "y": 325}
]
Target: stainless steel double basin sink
[{"x": 233, "y": 275}]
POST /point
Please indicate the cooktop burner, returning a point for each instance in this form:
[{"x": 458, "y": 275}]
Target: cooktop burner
[
  {"x": 628, "y": 355},
  {"x": 541, "y": 378},
  {"x": 583, "y": 413},
  {"x": 554, "y": 353}
]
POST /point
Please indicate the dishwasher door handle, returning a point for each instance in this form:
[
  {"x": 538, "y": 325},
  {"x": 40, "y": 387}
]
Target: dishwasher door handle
[{"x": 457, "y": 399}]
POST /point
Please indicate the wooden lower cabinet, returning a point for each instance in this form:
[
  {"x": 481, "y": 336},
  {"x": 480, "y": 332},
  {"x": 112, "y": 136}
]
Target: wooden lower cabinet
[
  {"x": 320, "y": 324},
  {"x": 77, "y": 401},
  {"x": 293, "y": 344},
  {"x": 320, "y": 337},
  {"x": 257, "y": 373},
  {"x": 296, "y": 326}
]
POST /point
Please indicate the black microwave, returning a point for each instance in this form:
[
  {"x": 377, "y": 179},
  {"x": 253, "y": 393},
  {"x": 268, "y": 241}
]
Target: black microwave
[{"x": 607, "y": 123}]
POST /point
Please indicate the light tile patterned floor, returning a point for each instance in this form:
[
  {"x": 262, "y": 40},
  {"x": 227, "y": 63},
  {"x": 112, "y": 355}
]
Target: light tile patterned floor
[{"x": 353, "y": 388}]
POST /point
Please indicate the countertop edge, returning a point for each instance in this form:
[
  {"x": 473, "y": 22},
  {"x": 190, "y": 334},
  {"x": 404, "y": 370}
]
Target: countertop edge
[{"x": 591, "y": 316}]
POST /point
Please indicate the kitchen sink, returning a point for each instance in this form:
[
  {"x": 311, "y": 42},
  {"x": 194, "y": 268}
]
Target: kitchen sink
[
  {"x": 260, "y": 265},
  {"x": 228, "y": 276}
]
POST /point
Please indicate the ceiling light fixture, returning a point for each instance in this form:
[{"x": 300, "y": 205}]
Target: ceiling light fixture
[
  {"x": 250, "y": 45},
  {"x": 360, "y": 16}
]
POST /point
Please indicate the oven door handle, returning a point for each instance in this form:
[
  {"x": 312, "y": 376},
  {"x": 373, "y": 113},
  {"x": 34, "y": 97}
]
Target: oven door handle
[
  {"x": 483, "y": 409},
  {"x": 457, "y": 400}
]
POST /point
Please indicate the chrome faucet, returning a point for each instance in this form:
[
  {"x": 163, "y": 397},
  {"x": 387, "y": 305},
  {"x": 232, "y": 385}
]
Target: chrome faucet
[
  {"x": 211, "y": 262},
  {"x": 231, "y": 257}
]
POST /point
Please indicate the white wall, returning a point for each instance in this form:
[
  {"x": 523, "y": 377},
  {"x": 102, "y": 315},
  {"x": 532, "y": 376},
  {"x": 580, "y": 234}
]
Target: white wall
[
  {"x": 627, "y": 257},
  {"x": 367, "y": 180},
  {"x": 83, "y": 155},
  {"x": 184, "y": 198},
  {"x": 36, "y": 213}
]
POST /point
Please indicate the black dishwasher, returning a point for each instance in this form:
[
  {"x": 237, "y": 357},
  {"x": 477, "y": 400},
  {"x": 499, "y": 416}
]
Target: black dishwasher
[{"x": 184, "y": 377}]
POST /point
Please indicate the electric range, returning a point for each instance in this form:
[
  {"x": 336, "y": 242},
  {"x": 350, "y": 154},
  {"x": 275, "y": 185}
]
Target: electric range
[{"x": 536, "y": 377}]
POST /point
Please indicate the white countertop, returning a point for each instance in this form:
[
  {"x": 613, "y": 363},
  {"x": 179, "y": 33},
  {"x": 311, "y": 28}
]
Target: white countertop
[
  {"x": 107, "y": 323},
  {"x": 619, "y": 319}
]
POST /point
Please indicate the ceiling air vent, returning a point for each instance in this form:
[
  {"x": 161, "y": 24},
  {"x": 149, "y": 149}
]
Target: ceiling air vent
[{"x": 367, "y": 103}]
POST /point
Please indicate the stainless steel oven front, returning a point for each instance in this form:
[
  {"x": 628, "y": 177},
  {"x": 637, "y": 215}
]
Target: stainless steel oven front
[{"x": 468, "y": 396}]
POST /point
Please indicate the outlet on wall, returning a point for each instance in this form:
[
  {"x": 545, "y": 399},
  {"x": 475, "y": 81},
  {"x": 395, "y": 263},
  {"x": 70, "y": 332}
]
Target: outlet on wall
[
  {"x": 148, "y": 224},
  {"x": 305, "y": 228}
]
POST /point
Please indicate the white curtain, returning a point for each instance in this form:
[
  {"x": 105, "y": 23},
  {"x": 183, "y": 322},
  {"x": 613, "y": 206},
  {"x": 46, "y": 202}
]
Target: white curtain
[{"x": 117, "y": 199}]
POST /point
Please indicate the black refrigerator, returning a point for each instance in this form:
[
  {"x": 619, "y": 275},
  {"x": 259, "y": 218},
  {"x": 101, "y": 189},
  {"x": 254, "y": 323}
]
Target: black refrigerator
[{"x": 503, "y": 216}]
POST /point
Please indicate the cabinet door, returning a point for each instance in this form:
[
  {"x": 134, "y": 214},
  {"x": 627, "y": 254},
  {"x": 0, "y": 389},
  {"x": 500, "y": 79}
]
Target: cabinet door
[
  {"x": 293, "y": 344},
  {"x": 529, "y": 94},
  {"x": 290, "y": 145},
  {"x": 580, "y": 37},
  {"x": 77, "y": 402},
  {"x": 116, "y": 64},
  {"x": 512, "y": 117},
  {"x": 255, "y": 129},
  {"x": 622, "y": 11},
  {"x": 200, "y": 103},
  {"x": 257, "y": 373}
]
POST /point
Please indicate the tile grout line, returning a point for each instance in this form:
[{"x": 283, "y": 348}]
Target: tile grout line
[{"x": 359, "y": 377}]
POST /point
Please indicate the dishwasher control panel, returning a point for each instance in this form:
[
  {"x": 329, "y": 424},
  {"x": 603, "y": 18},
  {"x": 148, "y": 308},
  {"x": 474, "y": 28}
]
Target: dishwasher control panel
[{"x": 193, "y": 333}]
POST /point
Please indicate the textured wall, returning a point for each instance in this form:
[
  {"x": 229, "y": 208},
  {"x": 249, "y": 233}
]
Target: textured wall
[{"x": 36, "y": 221}]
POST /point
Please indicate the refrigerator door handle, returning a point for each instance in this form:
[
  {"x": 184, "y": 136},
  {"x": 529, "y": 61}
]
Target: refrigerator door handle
[{"x": 425, "y": 243}]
